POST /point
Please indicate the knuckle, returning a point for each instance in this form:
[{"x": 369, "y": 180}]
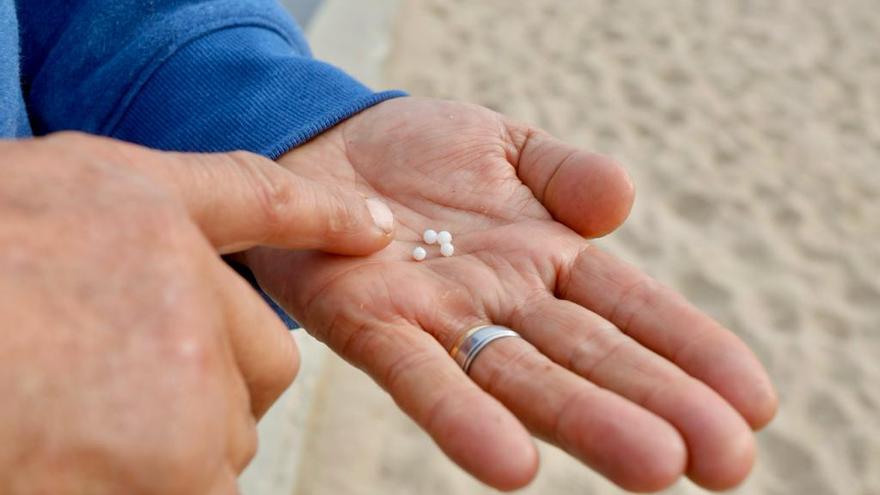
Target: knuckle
[
  {"x": 278, "y": 371},
  {"x": 443, "y": 408},
  {"x": 181, "y": 468},
  {"x": 343, "y": 215},
  {"x": 406, "y": 364},
  {"x": 524, "y": 358},
  {"x": 568, "y": 413},
  {"x": 244, "y": 159},
  {"x": 590, "y": 354},
  {"x": 105, "y": 157},
  {"x": 70, "y": 137},
  {"x": 249, "y": 453},
  {"x": 273, "y": 194},
  {"x": 289, "y": 363},
  {"x": 90, "y": 142},
  {"x": 249, "y": 450},
  {"x": 245, "y": 445},
  {"x": 189, "y": 350},
  {"x": 95, "y": 148},
  {"x": 643, "y": 292},
  {"x": 633, "y": 299}
]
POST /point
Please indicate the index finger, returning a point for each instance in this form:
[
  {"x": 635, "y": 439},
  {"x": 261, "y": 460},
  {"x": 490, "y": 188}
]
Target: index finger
[{"x": 240, "y": 200}]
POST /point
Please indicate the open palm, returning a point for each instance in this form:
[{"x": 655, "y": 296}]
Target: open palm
[{"x": 614, "y": 368}]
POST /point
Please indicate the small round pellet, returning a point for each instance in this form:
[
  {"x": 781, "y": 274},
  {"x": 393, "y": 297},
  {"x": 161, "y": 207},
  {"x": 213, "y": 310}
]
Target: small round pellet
[
  {"x": 447, "y": 249},
  {"x": 444, "y": 237},
  {"x": 430, "y": 236},
  {"x": 419, "y": 253}
]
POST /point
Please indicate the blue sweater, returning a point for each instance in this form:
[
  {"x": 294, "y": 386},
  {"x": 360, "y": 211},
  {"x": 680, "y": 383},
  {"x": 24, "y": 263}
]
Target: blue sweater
[
  {"x": 186, "y": 75},
  {"x": 183, "y": 75}
]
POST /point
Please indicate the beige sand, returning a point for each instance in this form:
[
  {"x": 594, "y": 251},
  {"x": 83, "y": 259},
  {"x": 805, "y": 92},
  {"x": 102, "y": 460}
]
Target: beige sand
[{"x": 752, "y": 129}]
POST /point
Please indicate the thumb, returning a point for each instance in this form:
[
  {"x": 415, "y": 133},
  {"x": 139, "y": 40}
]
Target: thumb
[
  {"x": 241, "y": 200},
  {"x": 590, "y": 193}
]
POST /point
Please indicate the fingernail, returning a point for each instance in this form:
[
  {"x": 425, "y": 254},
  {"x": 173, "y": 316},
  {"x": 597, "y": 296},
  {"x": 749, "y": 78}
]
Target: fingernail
[{"x": 382, "y": 216}]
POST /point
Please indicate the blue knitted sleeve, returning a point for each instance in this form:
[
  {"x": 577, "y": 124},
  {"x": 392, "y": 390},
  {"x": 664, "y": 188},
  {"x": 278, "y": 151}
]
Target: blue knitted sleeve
[{"x": 184, "y": 75}]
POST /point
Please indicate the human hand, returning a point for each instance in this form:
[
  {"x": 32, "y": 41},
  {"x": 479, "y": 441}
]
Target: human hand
[
  {"x": 616, "y": 369},
  {"x": 132, "y": 359}
]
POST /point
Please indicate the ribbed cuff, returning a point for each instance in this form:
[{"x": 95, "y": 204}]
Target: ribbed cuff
[{"x": 241, "y": 88}]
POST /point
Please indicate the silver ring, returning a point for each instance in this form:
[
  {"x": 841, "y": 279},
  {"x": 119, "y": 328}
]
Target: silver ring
[{"x": 475, "y": 340}]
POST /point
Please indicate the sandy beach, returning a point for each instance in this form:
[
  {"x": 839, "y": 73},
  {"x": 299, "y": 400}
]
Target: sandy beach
[{"x": 752, "y": 132}]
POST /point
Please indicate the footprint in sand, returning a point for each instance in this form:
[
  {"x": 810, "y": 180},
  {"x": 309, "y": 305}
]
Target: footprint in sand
[
  {"x": 705, "y": 292},
  {"x": 697, "y": 208},
  {"x": 794, "y": 466}
]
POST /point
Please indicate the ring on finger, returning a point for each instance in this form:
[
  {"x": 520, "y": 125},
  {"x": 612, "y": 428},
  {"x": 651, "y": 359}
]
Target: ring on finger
[{"x": 472, "y": 342}]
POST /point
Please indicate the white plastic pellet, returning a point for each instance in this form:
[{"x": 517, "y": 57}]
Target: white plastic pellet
[
  {"x": 430, "y": 236},
  {"x": 447, "y": 249},
  {"x": 444, "y": 237},
  {"x": 419, "y": 253}
]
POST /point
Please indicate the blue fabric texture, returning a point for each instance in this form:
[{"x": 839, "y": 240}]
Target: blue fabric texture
[
  {"x": 13, "y": 118},
  {"x": 182, "y": 75}
]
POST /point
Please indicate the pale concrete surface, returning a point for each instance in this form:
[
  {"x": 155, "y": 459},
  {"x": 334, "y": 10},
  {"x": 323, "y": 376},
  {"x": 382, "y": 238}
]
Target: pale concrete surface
[
  {"x": 303, "y": 10},
  {"x": 281, "y": 432},
  {"x": 354, "y": 35}
]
